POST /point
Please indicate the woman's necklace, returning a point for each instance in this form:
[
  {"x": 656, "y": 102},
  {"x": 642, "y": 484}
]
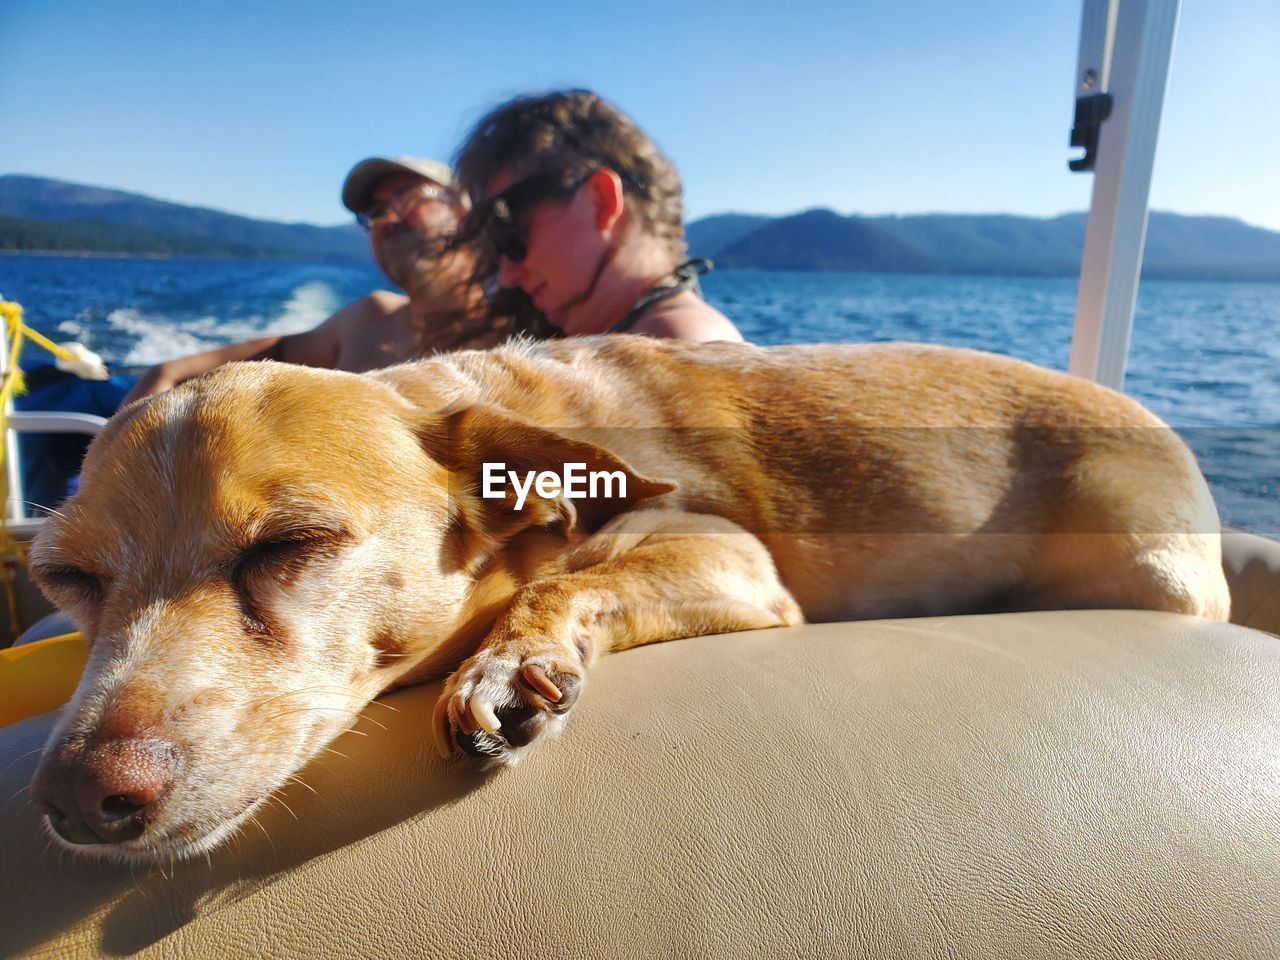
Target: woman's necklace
[{"x": 684, "y": 277}]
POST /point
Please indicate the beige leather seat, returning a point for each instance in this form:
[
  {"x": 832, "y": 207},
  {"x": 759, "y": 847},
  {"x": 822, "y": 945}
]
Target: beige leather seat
[{"x": 1075, "y": 785}]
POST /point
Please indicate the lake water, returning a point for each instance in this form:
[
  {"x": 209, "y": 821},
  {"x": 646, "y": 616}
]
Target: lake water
[{"x": 1205, "y": 356}]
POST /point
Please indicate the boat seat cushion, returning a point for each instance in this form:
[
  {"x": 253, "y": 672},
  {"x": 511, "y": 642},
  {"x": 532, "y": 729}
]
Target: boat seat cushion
[
  {"x": 1252, "y": 565},
  {"x": 1087, "y": 784}
]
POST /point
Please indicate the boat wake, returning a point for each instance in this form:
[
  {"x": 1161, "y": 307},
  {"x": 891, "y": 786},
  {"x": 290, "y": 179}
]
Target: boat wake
[{"x": 155, "y": 337}]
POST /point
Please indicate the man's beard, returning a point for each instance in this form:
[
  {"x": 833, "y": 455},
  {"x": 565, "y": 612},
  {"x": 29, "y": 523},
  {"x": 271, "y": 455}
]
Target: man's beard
[{"x": 411, "y": 260}]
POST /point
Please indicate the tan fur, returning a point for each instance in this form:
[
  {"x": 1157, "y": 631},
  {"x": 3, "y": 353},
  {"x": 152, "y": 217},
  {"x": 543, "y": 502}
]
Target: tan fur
[{"x": 765, "y": 487}]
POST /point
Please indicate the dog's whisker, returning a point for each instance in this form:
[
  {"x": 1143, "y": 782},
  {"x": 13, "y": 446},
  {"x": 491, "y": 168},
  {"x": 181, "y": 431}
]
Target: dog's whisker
[
  {"x": 21, "y": 790},
  {"x": 322, "y": 763},
  {"x": 308, "y": 709},
  {"x": 302, "y": 783},
  {"x": 133, "y": 876},
  {"x": 352, "y": 715},
  {"x": 349, "y": 717},
  {"x": 253, "y": 818},
  {"x": 313, "y": 688},
  {"x": 322, "y": 691},
  {"x": 49, "y": 511},
  {"x": 29, "y": 753},
  {"x": 258, "y": 704},
  {"x": 276, "y": 798},
  {"x": 25, "y": 788}
]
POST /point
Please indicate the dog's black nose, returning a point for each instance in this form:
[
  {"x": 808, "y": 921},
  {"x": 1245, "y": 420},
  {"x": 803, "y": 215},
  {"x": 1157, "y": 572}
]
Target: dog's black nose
[{"x": 105, "y": 791}]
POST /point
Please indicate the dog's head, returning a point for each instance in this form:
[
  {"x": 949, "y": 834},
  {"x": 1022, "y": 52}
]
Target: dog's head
[{"x": 253, "y": 556}]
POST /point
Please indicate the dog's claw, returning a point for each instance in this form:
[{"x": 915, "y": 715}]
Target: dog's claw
[
  {"x": 495, "y": 705},
  {"x": 465, "y": 721},
  {"x": 484, "y": 714},
  {"x": 537, "y": 679}
]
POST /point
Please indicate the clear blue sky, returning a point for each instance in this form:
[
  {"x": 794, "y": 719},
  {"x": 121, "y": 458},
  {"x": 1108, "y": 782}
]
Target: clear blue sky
[{"x": 868, "y": 107}]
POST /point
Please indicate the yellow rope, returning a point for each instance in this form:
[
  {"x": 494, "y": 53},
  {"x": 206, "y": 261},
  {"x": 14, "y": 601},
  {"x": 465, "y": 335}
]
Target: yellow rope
[{"x": 11, "y": 386}]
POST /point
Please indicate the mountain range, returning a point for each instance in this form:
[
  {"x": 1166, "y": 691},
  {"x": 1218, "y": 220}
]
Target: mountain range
[
  {"x": 40, "y": 214},
  {"x": 1177, "y": 246},
  {"x": 37, "y": 213}
]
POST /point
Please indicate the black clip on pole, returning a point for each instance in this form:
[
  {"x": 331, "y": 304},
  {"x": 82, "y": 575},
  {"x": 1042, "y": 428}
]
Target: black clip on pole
[{"x": 1090, "y": 112}]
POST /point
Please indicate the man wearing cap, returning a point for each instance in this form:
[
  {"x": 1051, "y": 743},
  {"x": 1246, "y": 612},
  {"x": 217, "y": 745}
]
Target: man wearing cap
[{"x": 412, "y": 210}]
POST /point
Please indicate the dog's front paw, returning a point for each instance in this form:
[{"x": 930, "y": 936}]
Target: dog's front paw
[{"x": 497, "y": 705}]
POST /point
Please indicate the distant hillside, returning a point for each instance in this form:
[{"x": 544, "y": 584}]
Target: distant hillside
[
  {"x": 718, "y": 232},
  {"x": 823, "y": 240},
  {"x": 993, "y": 243},
  {"x": 113, "y": 220},
  {"x": 1221, "y": 246},
  {"x": 39, "y": 214},
  {"x": 85, "y": 236},
  {"x": 1185, "y": 247}
]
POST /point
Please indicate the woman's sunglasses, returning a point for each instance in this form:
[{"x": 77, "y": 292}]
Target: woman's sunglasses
[{"x": 505, "y": 217}]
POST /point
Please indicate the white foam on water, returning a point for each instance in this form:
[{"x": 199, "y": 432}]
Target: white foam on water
[
  {"x": 308, "y": 305},
  {"x": 157, "y": 337},
  {"x": 160, "y": 338}
]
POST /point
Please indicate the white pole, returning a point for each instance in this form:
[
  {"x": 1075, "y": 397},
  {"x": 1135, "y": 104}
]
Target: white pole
[
  {"x": 13, "y": 508},
  {"x": 1138, "y": 73}
]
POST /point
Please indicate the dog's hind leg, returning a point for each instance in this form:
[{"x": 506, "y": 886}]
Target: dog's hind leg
[
  {"x": 1178, "y": 573},
  {"x": 646, "y": 577}
]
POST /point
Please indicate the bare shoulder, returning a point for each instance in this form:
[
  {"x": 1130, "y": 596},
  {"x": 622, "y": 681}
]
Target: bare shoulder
[
  {"x": 380, "y": 303},
  {"x": 688, "y": 319},
  {"x": 357, "y": 315}
]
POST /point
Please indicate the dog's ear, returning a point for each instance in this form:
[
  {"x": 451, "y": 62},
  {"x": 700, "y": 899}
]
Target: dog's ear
[{"x": 481, "y": 446}]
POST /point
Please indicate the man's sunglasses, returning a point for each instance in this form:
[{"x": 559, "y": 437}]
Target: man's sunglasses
[
  {"x": 403, "y": 203},
  {"x": 505, "y": 211}
]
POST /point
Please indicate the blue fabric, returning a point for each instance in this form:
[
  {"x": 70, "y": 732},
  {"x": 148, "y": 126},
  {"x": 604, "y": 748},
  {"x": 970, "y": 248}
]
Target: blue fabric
[{"x": 51, "y": 461}]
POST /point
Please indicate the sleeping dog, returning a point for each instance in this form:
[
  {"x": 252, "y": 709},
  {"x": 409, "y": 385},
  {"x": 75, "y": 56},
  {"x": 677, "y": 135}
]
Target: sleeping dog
[{"x": 261, "y": 551}]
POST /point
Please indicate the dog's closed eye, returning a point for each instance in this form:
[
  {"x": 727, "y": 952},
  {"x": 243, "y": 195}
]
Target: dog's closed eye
[
  {"x": 274, "y": 563},
  {"x": 74, "y": 590},
  {"x": 71, "y": 584}
]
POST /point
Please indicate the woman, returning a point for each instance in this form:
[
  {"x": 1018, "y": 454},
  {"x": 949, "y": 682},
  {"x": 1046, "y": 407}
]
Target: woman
[{"x": 576, "y": 207}]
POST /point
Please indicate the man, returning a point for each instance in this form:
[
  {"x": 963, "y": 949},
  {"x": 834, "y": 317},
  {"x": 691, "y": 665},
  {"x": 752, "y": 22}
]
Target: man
[{"x": 411, "y": 209}]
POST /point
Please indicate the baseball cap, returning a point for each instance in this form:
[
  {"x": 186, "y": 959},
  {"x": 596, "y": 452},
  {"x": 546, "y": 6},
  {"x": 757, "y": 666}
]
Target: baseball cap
[{"x": 365, "y": 176}]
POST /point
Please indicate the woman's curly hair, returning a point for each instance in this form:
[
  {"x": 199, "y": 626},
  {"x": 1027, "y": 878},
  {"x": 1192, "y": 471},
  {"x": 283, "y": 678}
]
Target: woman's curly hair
[{"x": 571, "y": 133}]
